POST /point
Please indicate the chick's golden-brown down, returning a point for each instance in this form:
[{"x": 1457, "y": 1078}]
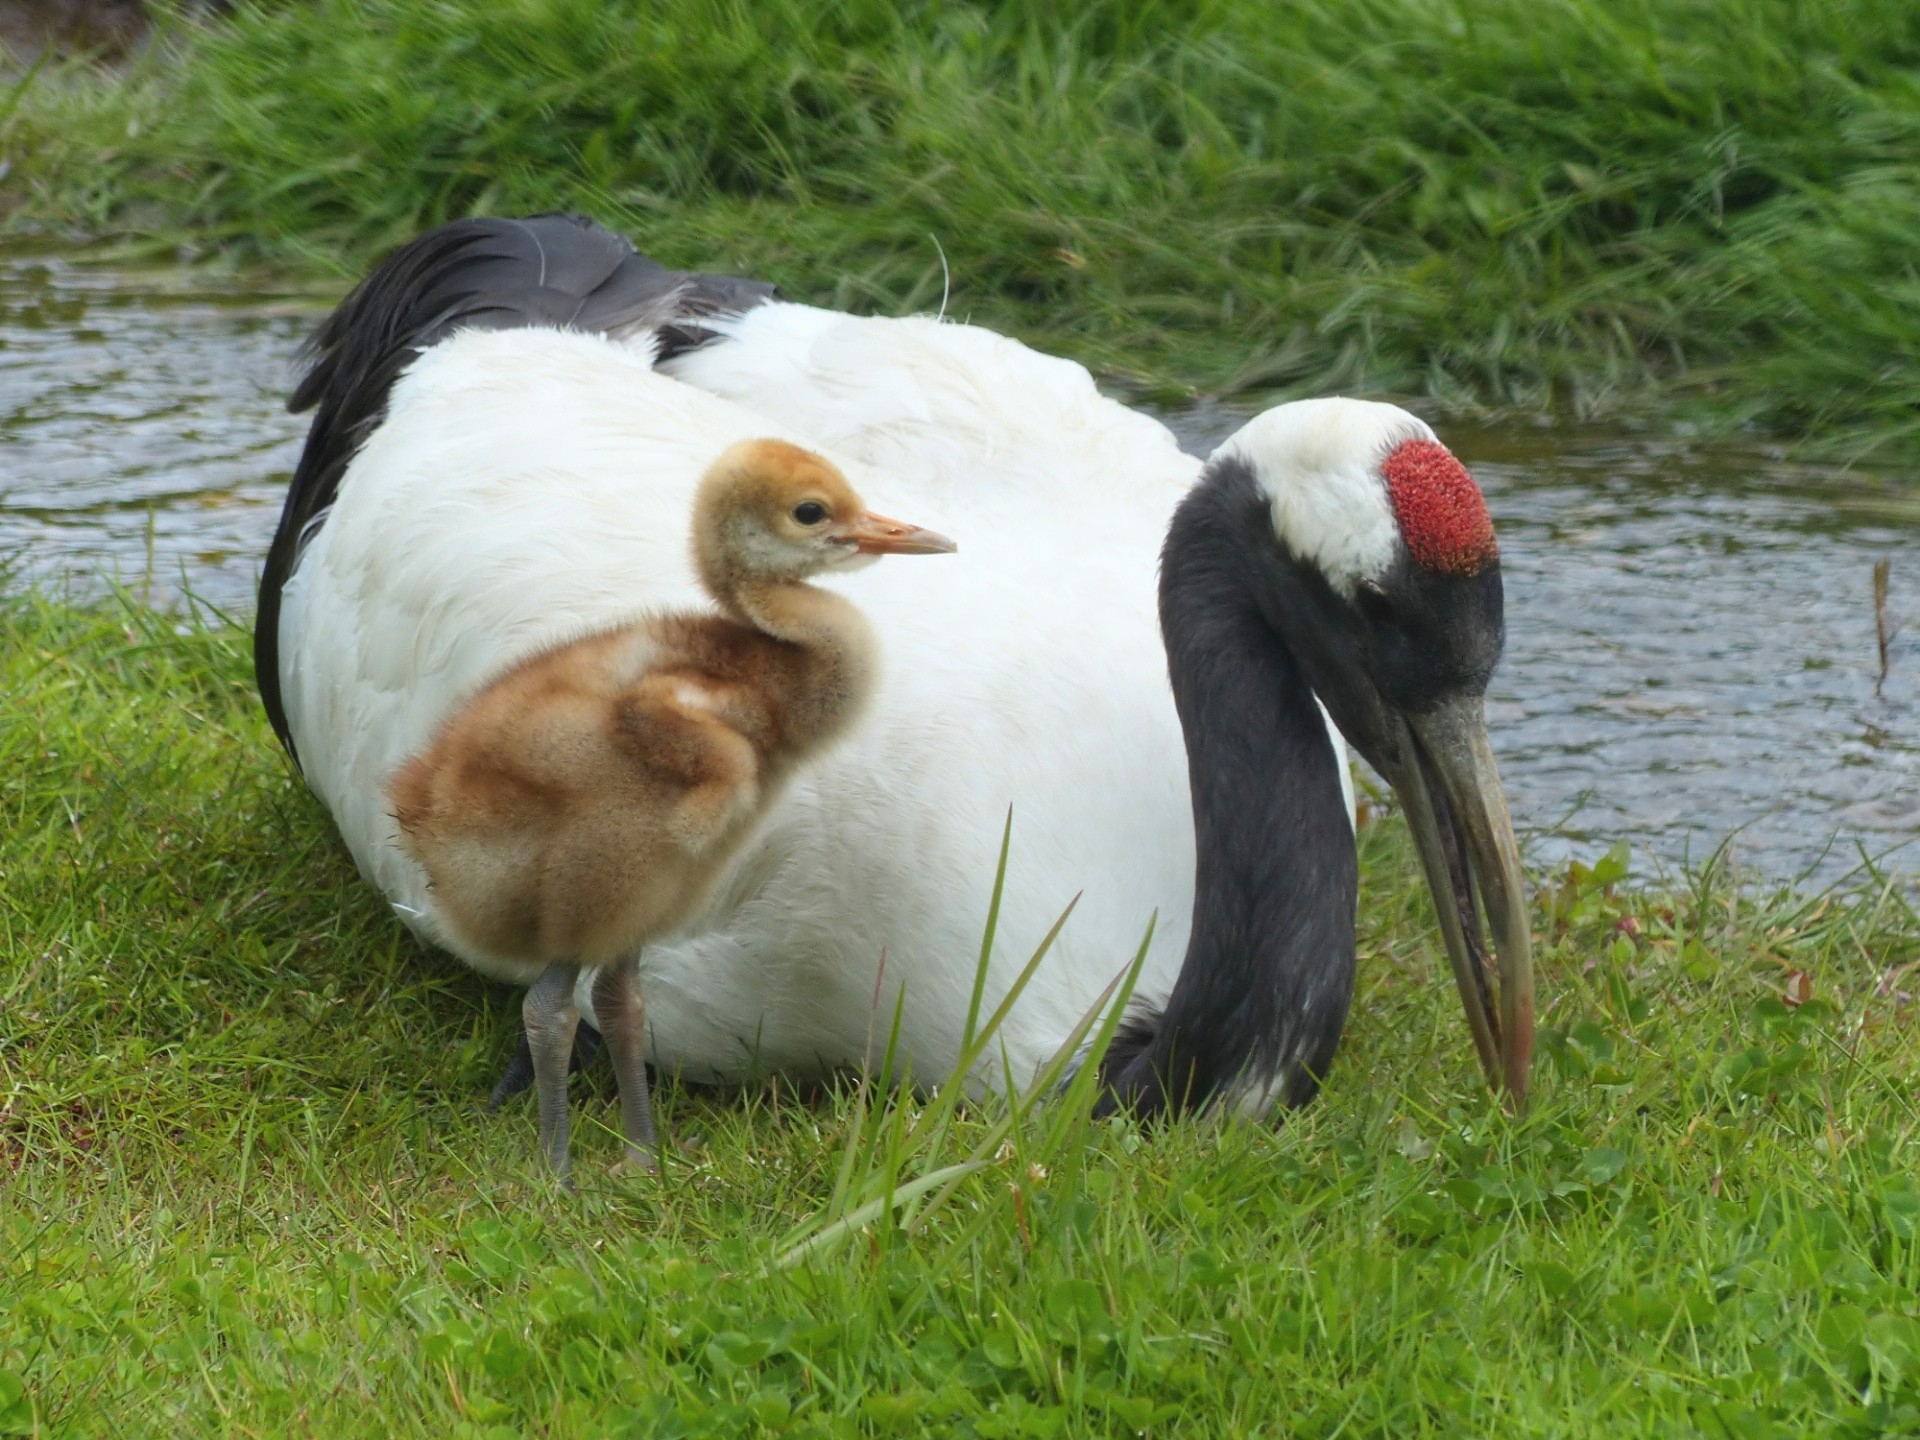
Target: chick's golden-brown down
[{"x": 586, "y": 801}]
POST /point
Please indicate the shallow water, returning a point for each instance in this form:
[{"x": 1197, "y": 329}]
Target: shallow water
[
  {"x": 1691, "y": 646},
  {"x": 142, "y": 431}
]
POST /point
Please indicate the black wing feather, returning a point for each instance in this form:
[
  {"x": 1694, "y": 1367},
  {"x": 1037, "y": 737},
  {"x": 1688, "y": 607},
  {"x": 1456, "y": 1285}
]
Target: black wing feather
[{"x": 559, "y": 271}]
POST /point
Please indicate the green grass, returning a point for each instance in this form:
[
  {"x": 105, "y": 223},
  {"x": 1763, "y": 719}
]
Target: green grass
[
  {"x": 246, "y": 1185},
  {"x": 1703, "y": 207}
]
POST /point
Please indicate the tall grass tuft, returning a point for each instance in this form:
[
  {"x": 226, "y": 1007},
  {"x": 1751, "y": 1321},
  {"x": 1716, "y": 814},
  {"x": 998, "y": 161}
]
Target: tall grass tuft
[{"x": 1565, "y": 204}]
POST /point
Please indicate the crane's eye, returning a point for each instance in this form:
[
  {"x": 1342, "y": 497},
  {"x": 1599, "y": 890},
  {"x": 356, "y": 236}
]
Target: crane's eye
[
  {"x": 1374, "y": 603},
  {"x": 810, "y": 512}
]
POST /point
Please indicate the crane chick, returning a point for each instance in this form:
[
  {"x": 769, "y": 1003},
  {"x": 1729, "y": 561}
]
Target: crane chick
[{"x": 586, "y": 801}]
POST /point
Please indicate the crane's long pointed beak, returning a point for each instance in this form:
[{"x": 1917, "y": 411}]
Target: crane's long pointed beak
[
  {"x": 1458, "y": 814},
  {"x": 877, "y": 535}
]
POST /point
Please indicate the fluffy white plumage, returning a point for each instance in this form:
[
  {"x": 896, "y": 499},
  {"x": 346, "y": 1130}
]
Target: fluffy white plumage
[{"x": 529, "y": 485}]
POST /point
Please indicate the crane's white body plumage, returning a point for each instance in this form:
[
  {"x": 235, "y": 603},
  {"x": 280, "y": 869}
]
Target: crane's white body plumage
[{"x": 531, "y": 485}]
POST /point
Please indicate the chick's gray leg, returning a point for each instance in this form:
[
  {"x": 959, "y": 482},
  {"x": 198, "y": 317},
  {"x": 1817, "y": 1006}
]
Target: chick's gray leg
[
  {"x": 551, "y": 1018},
  {"x": 622, "y": 1016}
]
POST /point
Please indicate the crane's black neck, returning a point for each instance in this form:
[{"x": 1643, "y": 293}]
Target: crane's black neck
[{"x": 1262, "y": 995}]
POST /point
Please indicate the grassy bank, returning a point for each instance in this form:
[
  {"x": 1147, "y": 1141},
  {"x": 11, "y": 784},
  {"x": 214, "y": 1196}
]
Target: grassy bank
[
  {"x": 246, "y": 1186},
  {"x": 1694, "y": 206}
]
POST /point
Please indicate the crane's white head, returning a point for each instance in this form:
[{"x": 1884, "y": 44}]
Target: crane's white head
[{"x": 1357, "y": 486}]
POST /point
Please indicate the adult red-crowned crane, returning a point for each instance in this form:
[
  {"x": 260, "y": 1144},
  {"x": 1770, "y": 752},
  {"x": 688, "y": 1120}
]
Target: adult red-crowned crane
[{"x": 475, "y": 487}]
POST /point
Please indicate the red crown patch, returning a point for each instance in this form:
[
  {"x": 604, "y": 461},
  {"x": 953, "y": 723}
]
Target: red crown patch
[{"x": 1443, "y": 517}]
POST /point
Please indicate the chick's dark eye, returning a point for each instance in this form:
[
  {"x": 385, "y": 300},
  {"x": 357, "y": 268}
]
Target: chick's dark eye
[{"x": 810, "y": 512}]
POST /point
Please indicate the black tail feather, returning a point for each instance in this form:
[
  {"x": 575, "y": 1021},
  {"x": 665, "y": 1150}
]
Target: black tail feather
[
  {"x": 518, "y": 1074},
  {"x": 1141, "y": 1076},
  {"x": 1128, "y": 1082},
  {"x": 1147, "y": 1073},
  {"x": 562, "y": 271}
]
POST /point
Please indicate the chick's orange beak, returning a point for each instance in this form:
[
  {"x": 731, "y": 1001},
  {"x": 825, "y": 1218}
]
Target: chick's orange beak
[{"x": 877, "y": 535}]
